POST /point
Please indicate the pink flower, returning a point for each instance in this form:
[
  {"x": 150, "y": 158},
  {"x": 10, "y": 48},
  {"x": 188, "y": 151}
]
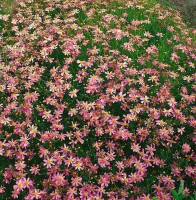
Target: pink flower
[
  {"x": 150, "y": 149},
  {"x": 172, "y": 102},
  {"x": 103, "y": 162},
  {"x": 48, "y": 162},
  {"x": 186, "y": 148},
  {"x": 72, "y": 112},
  {"x": 27, "y": 182},
  {"x": 186, "y": 191},
  {"x": 47, "y": 115},
  {"x": 144, "y": 100},
  {"x": 43, "y": 152},
  {"x": 152, "y": 49},
  {"x": 120, "y": 165},
  {"x": 78, "y": 164},
  {"x": 19, "y": 185},
  {"x": 73, "y": 93},
  {"x": 104, "y": 180},
  {"x": 35, "y": 194},
  {"x": 72, "y": 191},
  {"x": 84, "y": 193},
  {"x": 2, "y": 189},
  {"x": 15, "y": 194},
  {"x": 133, "y": 178},
  {"x": 55, "y": 195},
  {"x": 58, "y": 179},
  {"x": 35, "y": 169},
  {"x": 168, "y": 181},
  {"x": 76, "y": 181},
  {"x": 146, "y": 197},
  {"x": 70, "y": 160},
  {"x": 135, "y": 147},
  {"x": 20, "y": 165},
  {"x": 189, "y": 170},
  {"x": 24, "y": 141}
]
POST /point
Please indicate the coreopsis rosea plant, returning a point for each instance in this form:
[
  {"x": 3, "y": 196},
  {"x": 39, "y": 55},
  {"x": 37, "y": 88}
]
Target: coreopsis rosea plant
[{"x": 97, "y": 101}]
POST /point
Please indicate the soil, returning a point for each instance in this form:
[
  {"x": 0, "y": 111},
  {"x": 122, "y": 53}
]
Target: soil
[{"x": 187, "y": 8}]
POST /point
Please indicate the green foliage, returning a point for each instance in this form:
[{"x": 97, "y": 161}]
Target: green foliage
[{"x": 179, "y": 195}]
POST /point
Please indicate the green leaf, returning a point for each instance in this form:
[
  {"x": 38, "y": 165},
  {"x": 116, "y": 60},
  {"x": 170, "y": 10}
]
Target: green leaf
[
  {"x": 181, "y": 188},
  {"x": 155, "y": 198},
  {"x": 194, "y": 197},
  {"x": 175, "y": 194},
  {"x": 182, "y": 196}
]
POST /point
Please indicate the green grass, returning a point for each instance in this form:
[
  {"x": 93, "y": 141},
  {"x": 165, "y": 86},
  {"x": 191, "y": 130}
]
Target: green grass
[{"x": 8, "y": 6}]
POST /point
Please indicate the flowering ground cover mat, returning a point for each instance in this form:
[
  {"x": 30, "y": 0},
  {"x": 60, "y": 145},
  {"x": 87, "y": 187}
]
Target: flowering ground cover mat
[{"x": 97, "y": 101}]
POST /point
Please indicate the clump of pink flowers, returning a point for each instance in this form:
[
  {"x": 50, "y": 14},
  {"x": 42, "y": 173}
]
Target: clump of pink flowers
[{"x": 97, "y": 101}]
